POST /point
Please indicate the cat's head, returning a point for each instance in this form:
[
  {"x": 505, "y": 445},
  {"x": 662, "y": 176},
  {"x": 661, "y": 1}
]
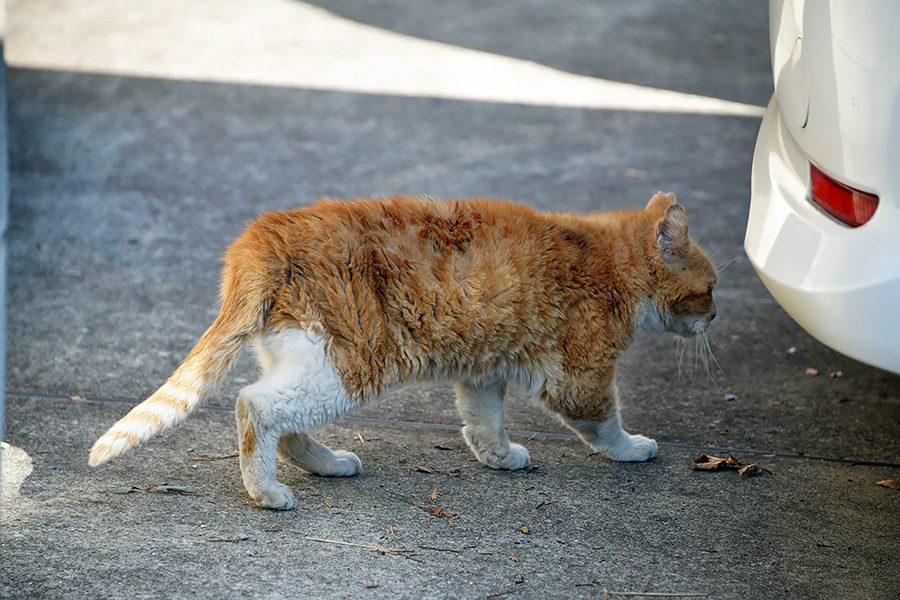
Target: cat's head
[{"x": 685, "y": 277}]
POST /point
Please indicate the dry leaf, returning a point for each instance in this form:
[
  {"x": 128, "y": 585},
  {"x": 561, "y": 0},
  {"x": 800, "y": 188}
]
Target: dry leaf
[
  {"x": 708, "y": 463},
  {"x": 423, "y": 470},
  {"x": 812, "y": 372},
  {"x": 889, "y": 483},
  {"x": 436, "y": 511},
  {"x": 434, "y": 494},
  {"x": 525, "y": 529},
  {"x": 751, "y": 470},
  {"x": 714, "y": 463}
]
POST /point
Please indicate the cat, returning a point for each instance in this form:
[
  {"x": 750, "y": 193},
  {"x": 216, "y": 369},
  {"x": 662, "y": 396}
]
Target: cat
[{"x": 344, "y": 300}]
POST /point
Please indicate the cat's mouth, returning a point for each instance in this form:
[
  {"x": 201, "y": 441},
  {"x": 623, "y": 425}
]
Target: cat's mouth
[
  {"x": 701, "y": 325},
  {"x": 695, "y": 327}
]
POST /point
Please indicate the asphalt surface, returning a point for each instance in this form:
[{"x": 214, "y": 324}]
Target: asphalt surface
[{"x": 143, "y": 139}]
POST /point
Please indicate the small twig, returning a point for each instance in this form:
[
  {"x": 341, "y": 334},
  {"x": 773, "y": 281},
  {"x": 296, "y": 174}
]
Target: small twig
[
  {"x": 366, "y": 546},
  {"x": 382, "y": 549},
  {"x": 215, "y": 458},
  {"x": 438, "y": 549},
  {"x": 444, "y": 472},
  {"x": 512, "y": 591},
  {"x": 658, "y": 594},
  {"x": 407, "y": 500},
  {"x": 429, "y": 470},
  {"x": 405, "y": 555},
  {"x": 234, "y": 540}
]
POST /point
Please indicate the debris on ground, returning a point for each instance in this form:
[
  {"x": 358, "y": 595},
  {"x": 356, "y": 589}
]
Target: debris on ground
[
  {"x": 234, "y": 540},
  {"x": 184, "y": 490},
  {"x": 714, "y": 463}
]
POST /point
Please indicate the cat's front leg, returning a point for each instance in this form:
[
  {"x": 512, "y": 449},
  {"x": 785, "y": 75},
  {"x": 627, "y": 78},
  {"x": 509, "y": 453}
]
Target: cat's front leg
[
  {"x": 481, "y": 407},
  {"x": 593, "y": 413},
  {"x": 608, "y": 437}
]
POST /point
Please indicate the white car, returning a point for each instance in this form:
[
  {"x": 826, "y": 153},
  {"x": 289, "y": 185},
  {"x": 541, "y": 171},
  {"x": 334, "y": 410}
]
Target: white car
[{"x": 824, "y": 226}]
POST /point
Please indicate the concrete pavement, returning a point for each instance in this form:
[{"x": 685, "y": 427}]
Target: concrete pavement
[{"x": 131, "y": 169}]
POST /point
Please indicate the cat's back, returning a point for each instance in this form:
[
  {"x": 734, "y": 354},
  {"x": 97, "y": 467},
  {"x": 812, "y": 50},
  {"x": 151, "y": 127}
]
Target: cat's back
[
  {"x": 404, "y": 229},
  {"x": 448, "y": 224}
]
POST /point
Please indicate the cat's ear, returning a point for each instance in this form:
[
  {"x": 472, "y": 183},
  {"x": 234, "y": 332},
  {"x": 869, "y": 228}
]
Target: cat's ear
[
  {"x": 660, "y": 202},
  {"x": 672, "y": 233}
]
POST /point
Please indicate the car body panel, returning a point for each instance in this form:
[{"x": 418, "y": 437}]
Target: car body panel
[{"x": 841, "y": 284}]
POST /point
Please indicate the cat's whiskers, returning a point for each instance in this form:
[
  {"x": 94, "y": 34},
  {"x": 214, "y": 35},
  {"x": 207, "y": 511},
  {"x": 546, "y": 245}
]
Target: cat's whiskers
[
  {"x": 725, "y": 266},
  {"x": 699, "y": 350}
]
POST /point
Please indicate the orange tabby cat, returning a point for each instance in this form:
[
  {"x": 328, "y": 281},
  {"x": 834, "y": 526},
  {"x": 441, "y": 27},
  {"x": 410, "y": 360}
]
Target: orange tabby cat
[{"x": 344, "y": 300}]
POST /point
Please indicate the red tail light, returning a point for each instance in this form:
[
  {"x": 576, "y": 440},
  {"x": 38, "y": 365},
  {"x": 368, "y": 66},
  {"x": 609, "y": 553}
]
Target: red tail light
[{"x": 847, "y": 205}]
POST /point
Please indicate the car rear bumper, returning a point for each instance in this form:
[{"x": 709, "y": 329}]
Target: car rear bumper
[{"x": 842, "y": 285}]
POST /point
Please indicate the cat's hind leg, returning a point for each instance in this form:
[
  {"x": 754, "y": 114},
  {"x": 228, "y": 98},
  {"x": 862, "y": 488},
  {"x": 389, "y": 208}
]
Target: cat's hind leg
[
  {"x": 300, "y": 390},
  {"x": 481, "y": 407},
  {"x": 258, "y": 444},
  {"x": 301, "y": 450}
]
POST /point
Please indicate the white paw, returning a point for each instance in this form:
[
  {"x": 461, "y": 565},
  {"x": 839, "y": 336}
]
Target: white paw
[
  {"x": 345, "y": 464},
  {"x": 511, "y": 458},
  {"x": 633, "y": 448},
  {"x": 276, "y": 497},
  {"x": 494, "y": 453},
  {"x": 517, "y": 458}
]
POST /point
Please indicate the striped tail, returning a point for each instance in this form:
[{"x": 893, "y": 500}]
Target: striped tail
[
  {"x": 204, "y": 367},
  {"x": 242, "y": 316}
]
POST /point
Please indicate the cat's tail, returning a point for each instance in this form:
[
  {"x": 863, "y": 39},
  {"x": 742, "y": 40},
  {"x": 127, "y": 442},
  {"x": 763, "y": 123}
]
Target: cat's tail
[{"x": 244, "y": 310}]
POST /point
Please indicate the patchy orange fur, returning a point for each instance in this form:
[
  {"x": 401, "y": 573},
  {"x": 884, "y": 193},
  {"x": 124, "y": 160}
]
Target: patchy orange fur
[{"x": 248, "y": 446}]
